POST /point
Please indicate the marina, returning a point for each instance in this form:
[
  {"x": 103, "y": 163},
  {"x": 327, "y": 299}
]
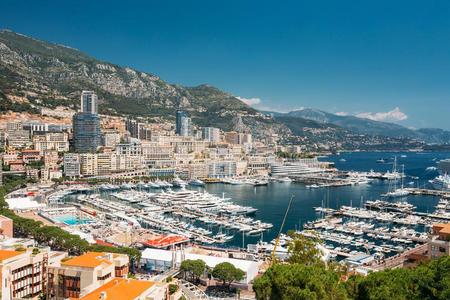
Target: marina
[{"x": 245, "y": 212}]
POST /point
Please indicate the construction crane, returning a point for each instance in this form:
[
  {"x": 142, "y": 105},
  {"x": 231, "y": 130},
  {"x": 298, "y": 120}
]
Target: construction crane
[{"x": 281, "y": 228}]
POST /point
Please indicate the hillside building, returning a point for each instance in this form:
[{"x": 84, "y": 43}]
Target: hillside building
[
  {"x": 211, "y": 134},
  {"x": 71, "y": 163},
  {"x": 89, "y": 102},
  {"x": 440, "y": 243},
  {"x": 86, "y": 132},
  {"x": 96, "y": 275},
  {"x": 23, "y": 273}
]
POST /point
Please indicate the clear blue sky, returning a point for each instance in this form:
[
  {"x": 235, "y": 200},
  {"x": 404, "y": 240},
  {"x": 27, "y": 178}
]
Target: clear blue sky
[{"x": 340, "y": 56}]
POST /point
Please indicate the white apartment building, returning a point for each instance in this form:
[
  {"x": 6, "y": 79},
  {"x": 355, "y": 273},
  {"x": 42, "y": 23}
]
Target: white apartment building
[
  {"x": 184, "y": 158},
  {"x": 23, "y": 272},
  {"x": 58, "y": 141},
  {"x": 71, "y": 165},
  {"x": 134, "y": 148},
  {"x": 181, "y": 144},
  {"x": 88, "y": 164},
  {"x": 199, "y": 170},
  {"x": 83, "y": 274},
  {"x": 100, "y": 164},
  {"x": 18, "y": 138},
  {"x": 156, "y": 151},
  {"x": 211, "y": 134},
  {"x": 128, "y": 162},
  {"x": 221, "y": 169},
  {"x": 110, "y": 139},
  {"x": 50, "y": 158},
  {"x": 221, "y": 153}
]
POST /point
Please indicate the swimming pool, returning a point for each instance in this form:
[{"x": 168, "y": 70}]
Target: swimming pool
[{"x": 72, "y": 219}]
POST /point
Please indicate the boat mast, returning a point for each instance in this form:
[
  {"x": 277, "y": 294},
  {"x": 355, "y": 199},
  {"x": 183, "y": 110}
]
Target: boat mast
[
  {"x": 403, "y": 174},
  {"x": 281, "y": 228}
]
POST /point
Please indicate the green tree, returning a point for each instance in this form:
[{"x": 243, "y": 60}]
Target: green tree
[
  {"x": 429, "y": 280},
  {"x": 389, "y": 284},
  {"x": 298, "y": 282},
  {"x": 173, "y": 288},
  {"x": 227, "y": 273},
  {"x": 303, "y": 250},
  {"x": 194, "y": 267}
]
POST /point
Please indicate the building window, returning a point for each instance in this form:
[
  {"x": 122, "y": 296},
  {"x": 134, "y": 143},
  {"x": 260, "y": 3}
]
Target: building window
[
  {"x": 442, "y": 249},
  {"x": 434, "y": 248},
  {"x": 104, "y": 277}
]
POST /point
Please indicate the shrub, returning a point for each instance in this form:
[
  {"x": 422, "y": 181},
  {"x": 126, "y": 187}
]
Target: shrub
[{"x": 173, "y": 288}]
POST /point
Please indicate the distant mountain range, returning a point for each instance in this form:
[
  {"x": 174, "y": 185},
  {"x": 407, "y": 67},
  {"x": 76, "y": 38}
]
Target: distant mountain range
[{"x": 366, "y": 126}]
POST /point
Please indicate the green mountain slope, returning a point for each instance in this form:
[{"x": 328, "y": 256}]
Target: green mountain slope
[
  {"x": 43, "y": 74},
  {"x": 48, "y": 75}
]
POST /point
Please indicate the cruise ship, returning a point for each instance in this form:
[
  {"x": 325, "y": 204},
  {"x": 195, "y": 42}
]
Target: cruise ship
[
  {"x": 300, "y": 167},
  {"x": 442, "y": 182}
]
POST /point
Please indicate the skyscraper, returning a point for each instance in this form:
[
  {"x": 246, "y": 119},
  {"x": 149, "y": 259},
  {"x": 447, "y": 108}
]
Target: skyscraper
[
  {"x": 184, "y": 125},
  {"x": 86, "y": 132},
  {"x": 180, "y": 114},
  {"x": 86, "y": 124},
  {"x": 89, "y": 102}
]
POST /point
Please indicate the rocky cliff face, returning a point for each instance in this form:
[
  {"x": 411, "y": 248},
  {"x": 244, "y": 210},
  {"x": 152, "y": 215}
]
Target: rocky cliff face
[{"x": 47, "y": 75}]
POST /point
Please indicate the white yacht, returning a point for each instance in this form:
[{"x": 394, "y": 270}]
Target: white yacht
[
  {"x": 397, "y": 193},
  {"x": 285, "y": 180},
  {"x": 196, "y": 182},
  {"x": 154, "y": 185},
  {"x": 177, "y": 182},
  {"x": 234, "y": 181}
]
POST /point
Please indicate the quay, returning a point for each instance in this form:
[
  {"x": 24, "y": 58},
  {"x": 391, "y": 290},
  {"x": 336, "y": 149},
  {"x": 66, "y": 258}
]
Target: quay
[
  {"x": 398, "y": 260},
  {"x": 340, "y": 253},
  {"x": 150, "y": 221},
  {"x": 415, "y": 239},
  {"x": 346, "y": 211},
  {"x": 438, "y": 193}
]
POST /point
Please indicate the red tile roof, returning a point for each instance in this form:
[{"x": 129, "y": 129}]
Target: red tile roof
[
  {"x": 100, "y": 242},
  {"x": 89, "y": 260},
  {"x": 5, "y": 254},
  {"x": 120, "y": 288},
  {"x": 166, "y": 240}
]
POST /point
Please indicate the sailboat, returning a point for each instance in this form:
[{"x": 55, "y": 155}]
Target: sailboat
[{"x": 401, "y": 192}]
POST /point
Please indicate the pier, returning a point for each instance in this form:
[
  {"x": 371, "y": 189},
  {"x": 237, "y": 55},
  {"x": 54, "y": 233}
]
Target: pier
[
  {"x": 150, "y": 221},
  {"x": 340, "y": 253},
  {"x": 438, "y": 193},
  {"x": 399, "y": 259},
  {"x": 415, "y": 239}
]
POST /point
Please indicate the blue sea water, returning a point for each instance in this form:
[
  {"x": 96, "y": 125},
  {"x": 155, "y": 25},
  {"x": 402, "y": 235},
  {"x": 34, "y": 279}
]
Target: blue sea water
[{"x": 272, "y": 200}]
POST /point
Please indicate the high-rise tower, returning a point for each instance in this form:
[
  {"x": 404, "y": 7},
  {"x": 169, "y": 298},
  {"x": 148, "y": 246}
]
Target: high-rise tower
[
  {"x": 89, "y": 102},
  {"x": 86, "y": 124}
]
